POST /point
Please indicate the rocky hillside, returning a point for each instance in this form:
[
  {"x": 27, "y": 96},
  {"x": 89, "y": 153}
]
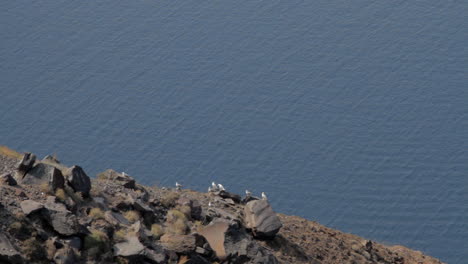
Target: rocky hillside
[{"x": 52, "y": 213}]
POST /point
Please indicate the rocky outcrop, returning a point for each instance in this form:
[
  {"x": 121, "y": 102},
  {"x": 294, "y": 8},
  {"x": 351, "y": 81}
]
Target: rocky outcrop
[
  {"x": 261, "y": 219},
  {"x": 26, "y": 163},
  {"x": 7, "y": 179},
  {"x": 44, "y": 174},
  {"x": 8, "y": 253},
  {"x": 53, "y": 218},
  {"x": 78, "y": 180}
]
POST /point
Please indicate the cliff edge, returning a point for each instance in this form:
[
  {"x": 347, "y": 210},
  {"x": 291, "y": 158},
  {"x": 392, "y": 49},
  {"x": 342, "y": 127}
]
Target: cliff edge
[{"x": 53, "y": 213}]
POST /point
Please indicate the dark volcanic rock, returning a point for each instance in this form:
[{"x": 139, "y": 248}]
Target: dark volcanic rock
[
  {"x": 65, "y": 255},
  {"x": 7, "y": 179},
  {"x": 231, "y": 242},
  {"x": 26, "y": 162},
  {"x": 44, "y": 173},
  {"x": 261, "y": 219},
  {"x": 61, "y": 220},
  {"x": 8, "y": 253},
  {"x": 227, "y": 195},
  {"x": 78, "y": 180},
  {"x": 30, "y": 206}
]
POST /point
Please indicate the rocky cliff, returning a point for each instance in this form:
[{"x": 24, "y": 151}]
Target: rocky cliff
[{"x": 53, "y": 213}]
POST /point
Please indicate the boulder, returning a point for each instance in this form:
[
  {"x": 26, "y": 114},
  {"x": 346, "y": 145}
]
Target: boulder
[
  {"x": 157, "y": 256},
  {"x": 26, "y": 162},
  {"x": 179, "y": 243},
  {"x": 227, "y": 195},
  {"x": 233, "y": 244},
  {"x": 261, "y": 219},
  {"x": 8, "y": 253},
  {"x": 78, "y": 180},
  {"x": 44, "y": 173},
  {"x": 51, "y": 159},
  {"x": 61, "y": 220},
  {"x": 118, "y": 178},
  {"x": 131, "y": 247},
  {"x": 30, "y": 206},
  {"x": 7, "y": 179}
]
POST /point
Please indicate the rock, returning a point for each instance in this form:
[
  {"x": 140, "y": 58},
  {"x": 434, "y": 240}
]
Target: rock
[
  {"x": 215, "y": 234},
  {"x": 195, "y": 207},
  {"x": 197, "y": 259},
  {"x": 73, "y": 242},
  {"x": 157, "y": 256},
  {"x": 7, "y": 179},
  {"x": 65, "y": 255},
  {"x": 44, "y": 173},
  {"x": 227, "y": 195},
  {"x": 179, "y": 243},
  {"x": 115, "y": 218},
  {"x": 131, "y": 247},
  {"x": 61, "y": 220},
  {"x": 26, "y": 162},
  {"x": 78, "y": 180},
  {"x": 30, "y": 206},
  {"x": 119, "y": 178},
  {"x": 51, "y": 159},
  {"x": 261, "y": 219},
  {"x": 232, "y": 244},
  {"x": 8, "y": 253}
]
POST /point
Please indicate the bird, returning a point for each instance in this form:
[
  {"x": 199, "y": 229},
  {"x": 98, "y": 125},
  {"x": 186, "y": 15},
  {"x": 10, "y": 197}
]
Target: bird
[
  {"x": 248, "y": 193},
  {"x": 178, "y": 186},
  {"x": 221, "y": 187},
  {"x": 264, "y": 197},
  {"x": 210, "y": 204},
  {"x": 214, "y": 187},
  {"x": 123, "y": 173},
  {"x": 209, "y": 189}
]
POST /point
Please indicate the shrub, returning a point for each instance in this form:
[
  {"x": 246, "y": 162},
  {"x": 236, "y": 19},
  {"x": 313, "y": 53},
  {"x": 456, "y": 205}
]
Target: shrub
[
  {"x": 96, "y": 213},
  {"x": 34, "y": 250},
  {"x": 186, "y": 210},
  {"x": 132, "y": 216},
  {"x": 157, "y": 231},
  {"x": 97, "y": 239},
  {"x": 60, "y": 194},
  {"x": 169, "y": 199},
  {"x": 76, "y": 197},
  {"x": 6, "y": 151},
  {"x": 46, "y": 188},
  {"x": 120, "y": 236},
  {"x": 173, "y": 215}
]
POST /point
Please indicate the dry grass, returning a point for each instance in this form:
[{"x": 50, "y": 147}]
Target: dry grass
[
  {"x": 169, "y": 199},
  {"x": 60, "y": 194},
  {"x": 132, "y": 216},
  {"x": 34, "y": 250},
  {"x": 120, "y": 235},
  {"x": 176, "y": 222},
  {"x": 157, "y": 231},
  {"x": 186, "y": 210},
  {"x": 97, "y": 239},
  {"x": 76, "y": 197},
  {"x": 96, "y": 213},
  {"x": 6, "y": 151},
  {"x": 46, "y": 188}
]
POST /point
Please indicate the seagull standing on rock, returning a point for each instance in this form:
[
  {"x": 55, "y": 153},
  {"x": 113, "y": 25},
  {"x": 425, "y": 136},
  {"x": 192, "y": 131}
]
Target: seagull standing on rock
[
  {"x": 248, "y": 193},
  {"x": 221, "y": 187},
  {"x": 264, "y": 197},
  {"x": 214, "y": 187},
  {"x": 178, "y": 186}
]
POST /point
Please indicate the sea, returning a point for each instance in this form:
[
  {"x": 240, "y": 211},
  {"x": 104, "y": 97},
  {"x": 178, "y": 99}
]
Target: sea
[{"x": 350, "y": 113}]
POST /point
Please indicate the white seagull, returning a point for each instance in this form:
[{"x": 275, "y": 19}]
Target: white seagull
[
  {"x": 264, "y": 197},
  {"x": 209, "y": 189},
  {"x": 248, "y": 193},
  {"x": 178, "y": 186},
  {"x": 221, "y": 187},
  {"x": 210, "y": 204},
  {"x": 214, "y": 187}
]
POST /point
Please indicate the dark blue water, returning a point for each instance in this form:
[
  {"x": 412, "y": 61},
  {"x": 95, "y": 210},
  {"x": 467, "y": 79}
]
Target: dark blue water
[{"x": 350, "y": 113}]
